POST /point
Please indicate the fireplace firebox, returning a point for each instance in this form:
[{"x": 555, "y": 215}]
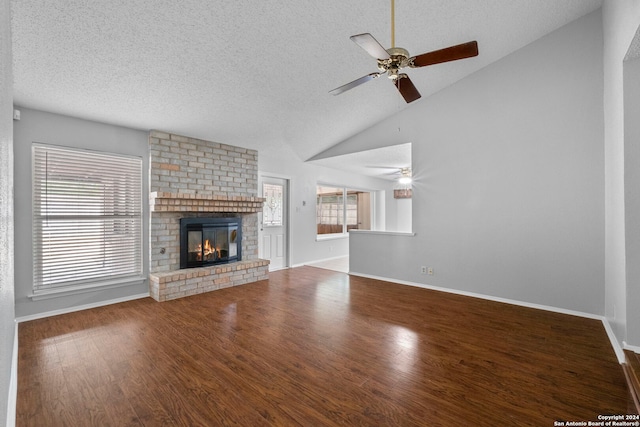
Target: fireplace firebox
[{"x": 209, "y": 241}]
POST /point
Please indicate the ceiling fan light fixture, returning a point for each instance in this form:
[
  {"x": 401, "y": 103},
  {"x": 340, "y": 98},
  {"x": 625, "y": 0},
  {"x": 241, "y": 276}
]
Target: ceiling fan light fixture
[{"x": 405, "y": 180}]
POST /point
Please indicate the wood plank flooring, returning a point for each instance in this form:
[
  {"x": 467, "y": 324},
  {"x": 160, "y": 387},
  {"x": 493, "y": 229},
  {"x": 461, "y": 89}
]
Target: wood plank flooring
[
  {"x": 632, "y": 372},
  {"x": 313, "y": 347}
]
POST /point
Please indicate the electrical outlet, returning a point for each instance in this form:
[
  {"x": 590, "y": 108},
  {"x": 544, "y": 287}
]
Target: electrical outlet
[
  {"x": 430, "y": 271},
  {"x": 423, "y": 270}
]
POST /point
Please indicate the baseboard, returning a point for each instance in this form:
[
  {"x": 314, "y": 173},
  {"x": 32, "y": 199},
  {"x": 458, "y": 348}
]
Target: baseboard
[
  {"x": 483, "y": 296},
  {"x": 617, "y": 348},
  {"x": 319, "y": 260},
  {"x": 630, "y": 347},
  {"x": 614, "y": 341},
  {"x": 80, "y": 307},
  {"x": 13, "y": 383}
]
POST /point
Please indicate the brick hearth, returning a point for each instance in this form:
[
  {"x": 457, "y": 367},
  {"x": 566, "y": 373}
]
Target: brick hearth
[{"x": 191, "y": 281}]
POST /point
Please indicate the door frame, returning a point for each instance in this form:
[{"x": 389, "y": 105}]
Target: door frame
[{"x": 286, "y": 215}]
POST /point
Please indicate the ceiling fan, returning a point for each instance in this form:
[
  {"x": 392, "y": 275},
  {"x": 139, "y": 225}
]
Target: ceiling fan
[
  {"x": 391, "y": 61},
  {"x": 404, "y": 173}
]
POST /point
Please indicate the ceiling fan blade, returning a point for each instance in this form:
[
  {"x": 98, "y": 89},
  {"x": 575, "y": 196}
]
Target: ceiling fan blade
[
  {"x": 406, "y": 88},
  {"x": 453, "y": 53},
  {"x": 371, "y": 45},
  {"x": 357, "y": 82}
]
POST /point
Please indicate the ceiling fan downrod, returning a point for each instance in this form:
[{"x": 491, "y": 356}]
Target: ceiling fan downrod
[{"x": 393, "y": 24}]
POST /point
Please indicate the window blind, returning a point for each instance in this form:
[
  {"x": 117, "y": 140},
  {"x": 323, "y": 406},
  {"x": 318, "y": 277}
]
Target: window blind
[{"x": 87, "y": 217}]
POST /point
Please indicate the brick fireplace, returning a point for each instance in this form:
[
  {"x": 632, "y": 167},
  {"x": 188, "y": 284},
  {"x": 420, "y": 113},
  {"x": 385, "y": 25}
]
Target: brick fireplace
[{"x": 193, "y": 178}]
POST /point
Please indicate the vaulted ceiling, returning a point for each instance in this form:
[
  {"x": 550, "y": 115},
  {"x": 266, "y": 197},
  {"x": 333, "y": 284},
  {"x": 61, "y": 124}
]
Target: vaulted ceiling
[{"x": 252, "y": 73}]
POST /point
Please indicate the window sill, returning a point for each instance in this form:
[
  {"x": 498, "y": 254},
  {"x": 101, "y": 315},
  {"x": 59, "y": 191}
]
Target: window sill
[{"x": 80, "y": 289}]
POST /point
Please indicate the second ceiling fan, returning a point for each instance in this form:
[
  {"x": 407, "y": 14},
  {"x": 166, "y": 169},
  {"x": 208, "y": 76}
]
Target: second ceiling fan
[{"x": 394, "y": 59}]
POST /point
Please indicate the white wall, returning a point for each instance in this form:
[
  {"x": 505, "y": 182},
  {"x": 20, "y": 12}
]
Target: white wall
[
  {"x": 399, "y": 214},
  {"x": 7, "y": 317},
  {"x": 620, "y": 22},
  {"x": 404, "y": 213},
  {"x": 632, "y": 197},
  {"x": 380, "y": 210},
  {"x": 508, "y": 175},
  {"x": 38, "y": 126},
  {"x": 304, "y": 178}
]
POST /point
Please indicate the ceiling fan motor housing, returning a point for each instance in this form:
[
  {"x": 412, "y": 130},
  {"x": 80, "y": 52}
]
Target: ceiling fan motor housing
[{"x": 398, "y": 59}]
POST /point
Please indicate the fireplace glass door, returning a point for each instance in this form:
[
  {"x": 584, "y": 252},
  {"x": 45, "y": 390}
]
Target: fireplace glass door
[{"x": 209, "y": 243}]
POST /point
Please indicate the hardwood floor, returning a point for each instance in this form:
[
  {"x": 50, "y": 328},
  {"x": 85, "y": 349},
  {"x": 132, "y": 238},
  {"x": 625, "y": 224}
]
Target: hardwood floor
[
  {"x": 314, "y": 347},
  {"x": 632, "y": 373}
]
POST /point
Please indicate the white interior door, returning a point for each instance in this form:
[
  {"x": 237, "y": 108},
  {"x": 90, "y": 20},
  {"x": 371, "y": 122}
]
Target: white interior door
[{"x": 273, "y": 221}]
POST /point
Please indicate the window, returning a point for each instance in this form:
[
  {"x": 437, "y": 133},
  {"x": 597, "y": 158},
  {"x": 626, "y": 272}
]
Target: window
[
  {"x": 272, "y": 210},
  {"x": 339, "y": 210},
  {"x": 87, "y": 218}
]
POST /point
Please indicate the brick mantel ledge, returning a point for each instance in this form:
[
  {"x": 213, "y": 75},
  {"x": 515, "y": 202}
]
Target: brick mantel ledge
[{"x": 185, "y": 202}]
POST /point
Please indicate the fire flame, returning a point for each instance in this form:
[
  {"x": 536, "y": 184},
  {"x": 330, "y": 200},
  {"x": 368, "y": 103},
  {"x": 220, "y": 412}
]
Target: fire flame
[{"x": 209, "y": 251}]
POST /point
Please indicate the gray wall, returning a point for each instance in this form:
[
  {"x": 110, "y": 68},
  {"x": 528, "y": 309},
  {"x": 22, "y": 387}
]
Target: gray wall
[
  {"x": 632, "y": 196},
  {"x": 509, "y": 179},
  {"x": 620, "y": 22},
  {"x": 38, "y": 126},
  {"x": 7, "y": 324}
]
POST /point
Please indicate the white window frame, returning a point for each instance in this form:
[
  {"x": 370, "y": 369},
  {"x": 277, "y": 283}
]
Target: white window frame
[
  {"x": 342, "y": 219},
  {"x": 87, "y": 220}
]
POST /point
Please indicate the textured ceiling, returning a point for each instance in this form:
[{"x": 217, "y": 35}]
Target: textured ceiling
[
  {"x": 252, "y": 73},
  {"x": 634, "y": 48},
  {"x": 385, "y": 162}
]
